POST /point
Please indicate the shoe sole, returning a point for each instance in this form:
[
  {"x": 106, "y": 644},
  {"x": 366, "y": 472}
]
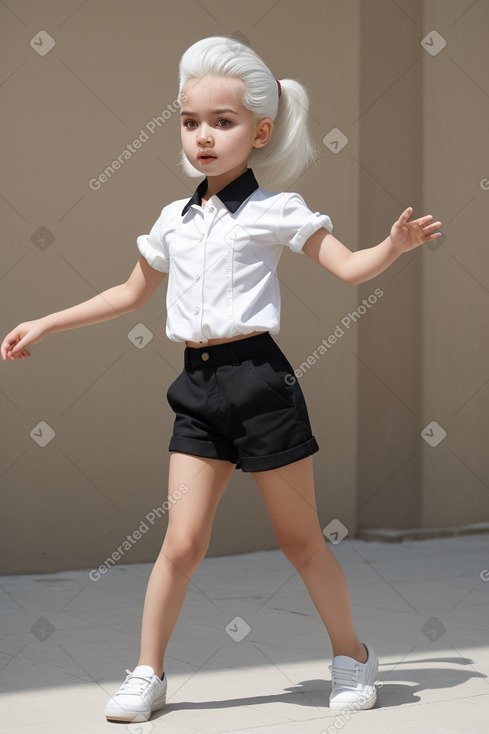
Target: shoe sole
[{"x": 129, "y": 717}]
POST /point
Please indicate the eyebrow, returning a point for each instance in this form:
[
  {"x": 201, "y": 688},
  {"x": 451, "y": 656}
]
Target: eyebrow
[{"x": 222, "y": 111}]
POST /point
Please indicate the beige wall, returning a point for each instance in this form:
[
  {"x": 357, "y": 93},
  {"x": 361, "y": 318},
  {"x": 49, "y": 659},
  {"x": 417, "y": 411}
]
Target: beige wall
[
  {"x": 417, "y": 130},
  {"x": 456, "y": 277},
  {"x": 425, "y": 350}
]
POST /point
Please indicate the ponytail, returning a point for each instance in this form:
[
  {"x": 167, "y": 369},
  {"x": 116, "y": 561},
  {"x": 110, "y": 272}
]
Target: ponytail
[{"x": 290, "y": 150}]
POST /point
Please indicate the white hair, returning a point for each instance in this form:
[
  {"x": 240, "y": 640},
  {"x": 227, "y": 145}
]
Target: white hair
[{"x": 290, "y": 150}]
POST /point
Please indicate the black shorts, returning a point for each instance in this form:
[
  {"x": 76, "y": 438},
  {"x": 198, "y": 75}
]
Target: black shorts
[{"x": 240, "y": 402}]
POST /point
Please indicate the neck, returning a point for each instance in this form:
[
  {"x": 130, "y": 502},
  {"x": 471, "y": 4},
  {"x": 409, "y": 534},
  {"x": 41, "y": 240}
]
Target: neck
[{"x": 217, "y": 183}]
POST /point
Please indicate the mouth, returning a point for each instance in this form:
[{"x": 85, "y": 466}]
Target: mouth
[{"x": 206, "y": 157}]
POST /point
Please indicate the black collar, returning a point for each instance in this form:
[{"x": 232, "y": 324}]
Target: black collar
[{"x": 232, "y": 195}]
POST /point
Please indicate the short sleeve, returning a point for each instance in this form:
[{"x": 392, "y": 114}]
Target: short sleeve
[
  {"x": 299, "y": 223},
  {"x": 154, "y": 247}
]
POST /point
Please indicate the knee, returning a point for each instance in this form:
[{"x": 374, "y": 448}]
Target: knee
[
  {"x": 184, "y": 552},
  {"x": 299, "y": 549}
]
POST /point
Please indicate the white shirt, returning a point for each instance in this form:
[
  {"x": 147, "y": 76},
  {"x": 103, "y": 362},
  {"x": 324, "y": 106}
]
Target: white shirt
[{"x": 222, "y": 258}]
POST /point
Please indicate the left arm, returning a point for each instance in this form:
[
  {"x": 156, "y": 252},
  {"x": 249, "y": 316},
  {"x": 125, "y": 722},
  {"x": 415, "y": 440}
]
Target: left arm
[{"x": 358, "y": 267}]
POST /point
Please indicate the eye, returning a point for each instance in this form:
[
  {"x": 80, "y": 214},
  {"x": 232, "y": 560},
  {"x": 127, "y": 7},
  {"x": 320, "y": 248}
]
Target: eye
[
  {"x": 223, "y": 122},
  {"x": 190, "y": 124}
]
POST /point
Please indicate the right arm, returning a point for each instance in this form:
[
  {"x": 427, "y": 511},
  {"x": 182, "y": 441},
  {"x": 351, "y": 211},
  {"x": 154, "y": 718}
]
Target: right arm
[{"x": 117, "y": 301}]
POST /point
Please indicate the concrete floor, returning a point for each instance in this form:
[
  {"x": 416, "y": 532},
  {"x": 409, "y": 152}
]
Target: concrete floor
[{"x": 66, "y": 640}]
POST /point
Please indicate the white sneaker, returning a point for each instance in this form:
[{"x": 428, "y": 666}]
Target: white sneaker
[
  {"x": 353, "y": 683},
  {"x": 141, "y": 693}
]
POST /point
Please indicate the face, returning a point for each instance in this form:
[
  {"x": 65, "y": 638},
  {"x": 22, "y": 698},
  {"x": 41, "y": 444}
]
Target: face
[{"x": 218, "y": 131}]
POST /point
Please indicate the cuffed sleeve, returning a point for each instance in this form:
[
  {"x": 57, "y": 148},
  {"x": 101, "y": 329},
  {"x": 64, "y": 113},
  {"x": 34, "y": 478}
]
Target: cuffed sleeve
[
  {"x": 154, "y": 247},
  {"x": 299, "y": 223}
]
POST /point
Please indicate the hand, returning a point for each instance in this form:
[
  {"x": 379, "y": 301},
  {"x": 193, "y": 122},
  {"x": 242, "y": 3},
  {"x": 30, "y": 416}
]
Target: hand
[
  {"x": 407, "y": 235},
  {"x": 15, "y": 344}
]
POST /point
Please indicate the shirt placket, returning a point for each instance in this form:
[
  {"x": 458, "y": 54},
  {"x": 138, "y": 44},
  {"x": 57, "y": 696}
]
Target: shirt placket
[{"x": 209, "y": 214}]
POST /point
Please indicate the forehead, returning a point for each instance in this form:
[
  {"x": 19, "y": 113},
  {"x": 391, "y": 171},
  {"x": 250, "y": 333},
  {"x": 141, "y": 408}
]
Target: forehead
[{"x": 214, "y": 90}]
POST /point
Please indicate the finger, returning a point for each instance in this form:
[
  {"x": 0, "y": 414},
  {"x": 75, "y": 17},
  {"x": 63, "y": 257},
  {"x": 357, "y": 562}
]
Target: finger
[
  {"x": 405, "y": 215},
  {"x": 432, "y": 227},
  {"x": 19, "y": 347},
  {"x": 14, "y": 352},
  {"x": 10, "y": 341},
  {"x": 19, "y": 355},
  {"x": 7, "y": 347},
  {"x": 423, "y": 221},
  {"x": 430, "y": 232}
]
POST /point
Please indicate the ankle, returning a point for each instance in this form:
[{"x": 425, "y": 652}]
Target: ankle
[
  {"x": 158, "y": 669},
  {"x": 357, "y": 651},
  {"x": 363, "y": 656}
]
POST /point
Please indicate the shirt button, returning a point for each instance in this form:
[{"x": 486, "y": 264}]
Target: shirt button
[
  {"x": 205, "y": 356},
  {"x": 202, "y": 238},
  {"x": 196, "y": 310},
  {"x": 197, "y": 278},
  {"x": 211, "y": 209}
]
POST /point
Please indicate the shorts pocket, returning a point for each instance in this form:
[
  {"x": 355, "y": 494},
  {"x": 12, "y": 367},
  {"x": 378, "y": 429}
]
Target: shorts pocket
[
  {"x": 273, "y": 373},
  {"x": 172, "y": 393}
]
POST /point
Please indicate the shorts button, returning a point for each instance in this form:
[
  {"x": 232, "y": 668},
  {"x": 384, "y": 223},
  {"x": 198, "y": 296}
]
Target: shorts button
[{"x": 205, "y": 356}]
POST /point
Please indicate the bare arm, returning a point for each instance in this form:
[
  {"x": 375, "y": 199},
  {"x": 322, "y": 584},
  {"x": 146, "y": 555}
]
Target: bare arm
[
  {"x": 363, "y": 265},
  {"x": 113, "y": 302}
]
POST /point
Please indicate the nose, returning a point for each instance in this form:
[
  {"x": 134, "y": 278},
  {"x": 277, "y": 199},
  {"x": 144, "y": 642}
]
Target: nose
[{"x": 205, "y": 137}]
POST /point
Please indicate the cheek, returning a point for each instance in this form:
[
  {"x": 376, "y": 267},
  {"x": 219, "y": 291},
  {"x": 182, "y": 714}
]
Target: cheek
[
  {"x": 237, "y": 141},
  {"x": 185, "y": 137}
]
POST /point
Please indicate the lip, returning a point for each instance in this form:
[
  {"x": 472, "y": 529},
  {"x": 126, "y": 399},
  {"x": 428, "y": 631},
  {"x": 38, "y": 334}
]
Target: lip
[{"x": 206, "y": 157}]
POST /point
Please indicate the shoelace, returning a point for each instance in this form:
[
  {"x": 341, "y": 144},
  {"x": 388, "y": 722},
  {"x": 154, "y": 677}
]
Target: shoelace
[
  {"x": 135, "y": 683},
  {"x": 344, "y": 676}
]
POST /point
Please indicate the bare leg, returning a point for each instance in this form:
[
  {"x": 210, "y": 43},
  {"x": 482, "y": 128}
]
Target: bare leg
[
  {"x": 288, "y": 493},
  {"x": 185, "y": 545}
]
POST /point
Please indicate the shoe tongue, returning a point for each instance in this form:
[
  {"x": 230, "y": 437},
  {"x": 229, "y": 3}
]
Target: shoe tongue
[
  {"x": 143, "y": 670},
  {"x": 343, "y": 661}
]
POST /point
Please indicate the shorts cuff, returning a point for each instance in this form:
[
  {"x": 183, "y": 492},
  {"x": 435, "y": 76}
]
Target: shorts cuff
[
  {"x": 274, "y": 461},
  {"x": 203, "y": 448}
]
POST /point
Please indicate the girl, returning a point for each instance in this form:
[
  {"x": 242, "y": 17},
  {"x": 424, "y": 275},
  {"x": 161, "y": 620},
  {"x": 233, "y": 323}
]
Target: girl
[{"x": 234, "y": 406}]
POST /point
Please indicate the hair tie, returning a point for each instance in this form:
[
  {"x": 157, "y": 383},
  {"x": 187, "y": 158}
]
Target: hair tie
[{"x": 279, "y": 88}]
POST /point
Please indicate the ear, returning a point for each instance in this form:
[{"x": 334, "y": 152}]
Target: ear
[{"x": 263, "y": 132}]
